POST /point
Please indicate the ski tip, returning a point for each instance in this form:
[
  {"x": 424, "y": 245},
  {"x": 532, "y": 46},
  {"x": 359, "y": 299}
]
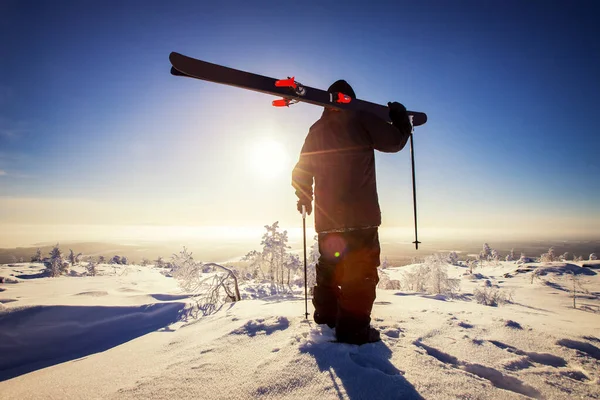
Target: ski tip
[
  {"x": 173, "y": 55},
  {"x": 176, "y": 72},
  {"x": 419, "y": 118}
]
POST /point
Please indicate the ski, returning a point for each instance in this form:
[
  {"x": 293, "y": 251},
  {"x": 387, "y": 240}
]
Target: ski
[{"x": 289, "y": 89}]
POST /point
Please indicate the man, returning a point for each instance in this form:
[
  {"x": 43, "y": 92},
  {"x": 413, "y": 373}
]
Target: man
[{"x": 338, "y": 156}]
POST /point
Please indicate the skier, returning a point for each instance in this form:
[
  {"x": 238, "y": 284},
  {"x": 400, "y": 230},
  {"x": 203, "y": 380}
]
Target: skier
[{"x": 338, "y": 156}]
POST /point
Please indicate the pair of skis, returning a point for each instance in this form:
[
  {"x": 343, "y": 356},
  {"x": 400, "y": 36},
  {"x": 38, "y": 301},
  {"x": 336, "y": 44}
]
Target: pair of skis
[{"x": 290, "y": 92}]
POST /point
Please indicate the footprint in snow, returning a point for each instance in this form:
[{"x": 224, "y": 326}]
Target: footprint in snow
[
  {"x": 584, "y": 347},
  {"x": 266, "y": 326}
]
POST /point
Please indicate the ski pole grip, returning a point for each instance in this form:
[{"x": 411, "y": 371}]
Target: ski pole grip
[{"x": 303, "y": 211}]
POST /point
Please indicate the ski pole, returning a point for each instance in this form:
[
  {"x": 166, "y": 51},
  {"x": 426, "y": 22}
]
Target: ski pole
[
  {"x": 305, "y": 283},
  {"x": 414, "y": 185}
]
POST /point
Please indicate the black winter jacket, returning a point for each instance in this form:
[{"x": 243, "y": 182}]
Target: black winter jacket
[{"x": 338, "y": 156}]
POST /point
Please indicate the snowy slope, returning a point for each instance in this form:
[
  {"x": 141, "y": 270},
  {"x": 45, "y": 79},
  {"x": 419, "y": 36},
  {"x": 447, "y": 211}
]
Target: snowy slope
[{"x": 124, "y": 335}]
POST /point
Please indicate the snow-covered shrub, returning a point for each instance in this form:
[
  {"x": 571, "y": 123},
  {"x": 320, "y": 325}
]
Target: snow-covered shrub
[
  {"x": 490, "y": 296},
  {"x": 549, "y": 256},
  {"x": 115, "y": 260},
  {"x": 593, "y": 257},
  {"x": 210, "y": 291},
  {"x": 524, "y": 259},
  {"x": 159, "y": 262},
  {"x": 124, "y": 260},
  {"x": 101, "y": 260},
  {"x": 145, "y": 262},
  {"x": 431, "y": 277},
  {"x": 56, "y": 265},
  {"x": 37, "y": 257}
]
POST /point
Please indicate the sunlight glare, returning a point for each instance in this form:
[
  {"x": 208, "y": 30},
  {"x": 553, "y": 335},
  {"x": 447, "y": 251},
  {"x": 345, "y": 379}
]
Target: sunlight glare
[{"x": 268, "y": 158}]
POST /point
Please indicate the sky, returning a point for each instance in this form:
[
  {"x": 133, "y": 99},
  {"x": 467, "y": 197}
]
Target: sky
[{"x": 94, "y": 131}]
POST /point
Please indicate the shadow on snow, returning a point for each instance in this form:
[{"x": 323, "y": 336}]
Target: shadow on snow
[
  {"x": 37, "y": 337},
  {"x": 365, "y": 372}
]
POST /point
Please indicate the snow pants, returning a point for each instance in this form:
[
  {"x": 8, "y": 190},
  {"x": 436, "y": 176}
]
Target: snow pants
[{"x": 346, "y": 280}]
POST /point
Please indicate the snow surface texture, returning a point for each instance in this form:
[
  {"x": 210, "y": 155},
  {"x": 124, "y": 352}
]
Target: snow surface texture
[{"x": 125, "y": 334}]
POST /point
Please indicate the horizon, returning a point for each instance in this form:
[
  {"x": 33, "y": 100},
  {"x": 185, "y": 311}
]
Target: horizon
[{"x": 98, "y": 140}]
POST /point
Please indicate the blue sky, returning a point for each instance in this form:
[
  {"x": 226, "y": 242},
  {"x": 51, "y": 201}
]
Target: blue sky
[{"x": 94, "y": 130}]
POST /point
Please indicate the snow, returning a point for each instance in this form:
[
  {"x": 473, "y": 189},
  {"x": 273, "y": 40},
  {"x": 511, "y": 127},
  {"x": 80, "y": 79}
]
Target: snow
[{"x": 126, "y": 334}]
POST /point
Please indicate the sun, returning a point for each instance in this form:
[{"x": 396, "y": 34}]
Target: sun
[{"x": 268, "y": 158}]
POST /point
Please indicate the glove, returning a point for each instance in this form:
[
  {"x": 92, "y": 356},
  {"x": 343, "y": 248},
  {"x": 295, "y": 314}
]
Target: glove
[
  {"x": 399, "y": 116},
  {"x": 307, "y": 204}
]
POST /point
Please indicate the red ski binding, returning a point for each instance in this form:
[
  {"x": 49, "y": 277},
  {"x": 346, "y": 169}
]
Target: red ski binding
[
  {"x": 290, "y": 82},
  {"x": 281, "y": 103},
  {"x": 341, "y": 98}
]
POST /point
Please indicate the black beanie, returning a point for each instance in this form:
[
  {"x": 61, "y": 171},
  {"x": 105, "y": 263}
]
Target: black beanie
[{"x": 343, "y": 87}]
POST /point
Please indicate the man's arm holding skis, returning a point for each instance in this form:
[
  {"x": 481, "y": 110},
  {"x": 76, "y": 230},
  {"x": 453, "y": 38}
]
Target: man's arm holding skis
[{"x": 385, "y": 137}]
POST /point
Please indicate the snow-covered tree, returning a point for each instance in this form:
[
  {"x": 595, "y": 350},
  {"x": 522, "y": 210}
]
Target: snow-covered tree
[
  {"x": 593, "y": 257},
  {"x": 124, "y": 260},
  {"x": 274, "y": 260},
  {"x": 255, "y": 260},
  {"x": 452, "y": 258},
  {"x": 312, "y": 260},
  {"x": 56, "y": 265},
  {"x": 159, "y": 262},
  {"x": 486, "y": 252},
  {"x": 495, "y": 256},
  {"x": 293, "y": 265},
  {"x": 386, "y": 283},
  {"x": 73, "y": 259},
  {"x": 385, "y": 264},
  {"x": 511, "y": 256},
  {"x": 145, "y": 262},
  {"x": 549, "y": 256},
  {"x": 115, "y": 260},
  {"x": 37, "y": 257},
  {"x": 472, "y": 264},
  {"x": 431, "y": 277},
  {"x": 274, "y": 251},
  {"x": 566, "y": 256},
  {"x": 101, "y": 259},
  {"x": 92, "y": 267}
]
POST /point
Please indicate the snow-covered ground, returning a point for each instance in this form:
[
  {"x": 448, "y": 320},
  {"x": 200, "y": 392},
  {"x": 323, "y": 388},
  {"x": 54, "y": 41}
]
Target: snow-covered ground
[{"x": 124, "y": 334}]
